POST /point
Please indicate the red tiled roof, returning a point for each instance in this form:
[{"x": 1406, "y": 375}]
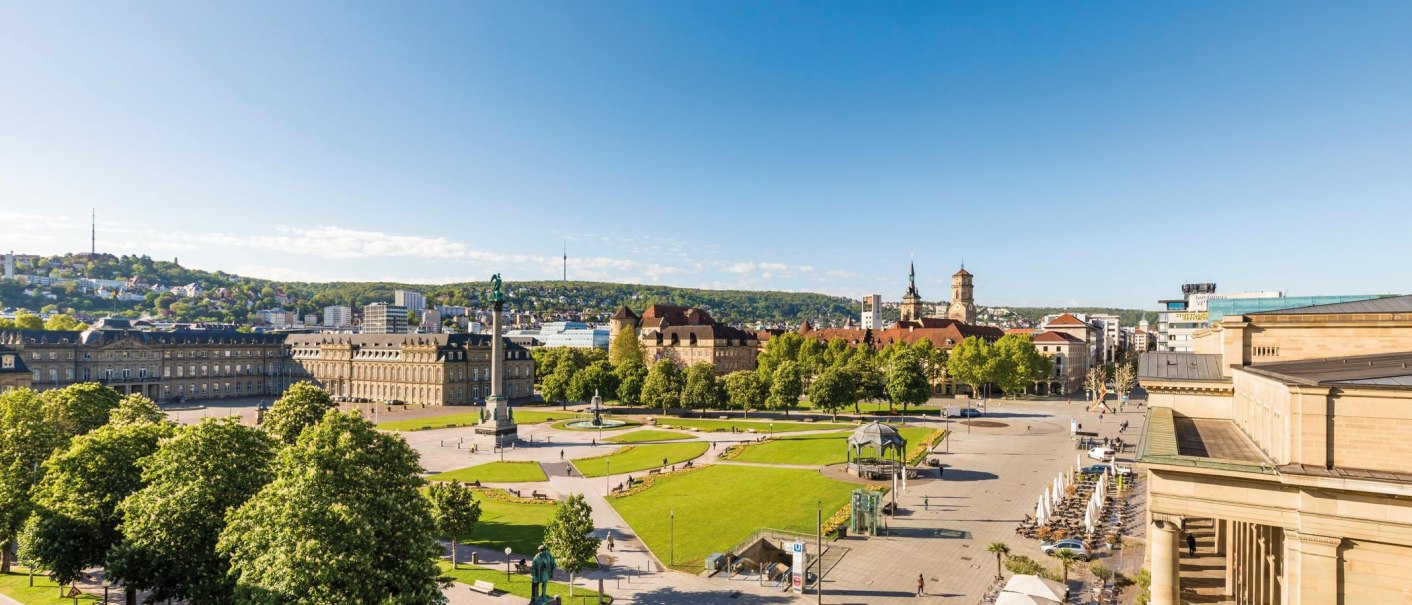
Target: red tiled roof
[
  {"x": 657, "y": 316},
  {"x": 1057, "y": 337},
  {"x": 1066, "y": 320},
  {"x": 1021, "y": 331}
]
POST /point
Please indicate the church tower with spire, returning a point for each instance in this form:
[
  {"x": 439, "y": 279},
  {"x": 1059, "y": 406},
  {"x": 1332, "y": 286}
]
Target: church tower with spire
[
  {"x": 912, "y": 300},
  {"x": 963, "y": 301}
]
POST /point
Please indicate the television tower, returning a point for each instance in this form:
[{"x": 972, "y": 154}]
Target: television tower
[
  {"x": 566, "y": 260},
  {"x": 93, "y": 232}
]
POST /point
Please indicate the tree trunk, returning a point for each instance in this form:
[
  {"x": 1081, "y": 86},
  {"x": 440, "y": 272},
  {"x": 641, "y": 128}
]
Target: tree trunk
[
  {"x": 5, "y": 557},
  {"x": 130, "y": 595},
  {"x": 571, "y": 585},
  {"x": 454, "y": 563}
]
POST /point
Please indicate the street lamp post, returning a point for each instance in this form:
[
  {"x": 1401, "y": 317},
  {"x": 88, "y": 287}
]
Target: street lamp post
[
  {"x": 819, "y": 555},
  {"x": 106, "y": 584},
  {"x": 507, "y": 564},
  {"x": 672, "y": 538},
  {"x": 608, "y": 477}
]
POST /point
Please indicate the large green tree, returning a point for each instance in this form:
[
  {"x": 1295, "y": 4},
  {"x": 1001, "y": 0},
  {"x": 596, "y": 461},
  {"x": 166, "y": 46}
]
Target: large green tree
[
  {"x": 60, "y": 322},
  {"x": 777, "y": 350},
  {"x": 832, "y": 390},
  {"x": 302, "y": 405},
  {"x": 664, "y": 385},
  {"x": 555, "y": 387},
  {"x": 746, "y": 389},
  {"x": 171, "y": 525},
  {"x": 869, "y": 381},
  {"x": 786, "y": 386},
  {"x": 455, "y": 510},
  {"x": 342, "y": 522},
  {"x": 630, "y": 379},
  {"x": 626, "y": 350},
  {"x": 1022, "y": 363},
  {"x": 597, "y": 378},
  {"x": 26, "y": 440},
  {"x": 76, "y": 517},
  {"x": 136, "y": 409},
  {"x": 702, "y": 389},
  {"x": 907, "y": 381},
  {"x": 569, "y": 536},
  {"x": 79, "y": 408},
  {"x": 970, "y": 363}
]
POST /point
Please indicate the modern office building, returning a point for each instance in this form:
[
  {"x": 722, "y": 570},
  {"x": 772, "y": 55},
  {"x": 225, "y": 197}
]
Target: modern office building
[
  {"x": 1200, "y": 306},
  {"x": 410, "y": 300},
  {"x": 382, "y": 318},
  {"x": 565, "y": 334},
  {"x": 338, "y": 317},
  {"x": 431, "y": 321},
  {"x": 1280, "y": 443},
  {"x": 872, "y": 312}
]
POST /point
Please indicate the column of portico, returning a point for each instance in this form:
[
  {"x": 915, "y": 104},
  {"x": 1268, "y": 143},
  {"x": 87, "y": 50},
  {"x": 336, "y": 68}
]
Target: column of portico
[
  {"x": 1245, "y": 594},
  {"x": 1227, "y": 549},
  {"x": 1311, "y": 569},
  {"x": 1262, "y": 539},
  {"x": 1166, "y": 564}
]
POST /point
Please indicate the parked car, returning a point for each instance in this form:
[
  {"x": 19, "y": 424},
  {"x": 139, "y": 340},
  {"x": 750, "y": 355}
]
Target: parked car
[
  {"x": 1101, "y": 453},
  {"x": 1094, "y": 469},
  {"x": 960, "y": 412},
  {"x": 1078, "y": 547},
  {"x": 1122, "y": 469}
]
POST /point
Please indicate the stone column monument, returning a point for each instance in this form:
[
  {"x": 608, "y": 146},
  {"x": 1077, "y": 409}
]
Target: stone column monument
[{"x": 497, "y": 429}]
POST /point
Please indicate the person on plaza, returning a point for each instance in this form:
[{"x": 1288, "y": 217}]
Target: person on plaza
[
  {"x": 921, "y": 585},
  {"x": 664, "y": 461},
  {"x": 1191, "y": 545},
  {"x": 610, "y": 541},
  {"x": 561, "y": 454},
  {"x": 925, "y": 503}
]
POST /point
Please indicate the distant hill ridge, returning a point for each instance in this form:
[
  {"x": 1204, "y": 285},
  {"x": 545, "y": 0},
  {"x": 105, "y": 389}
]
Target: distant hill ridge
[{"x": 225, "y": 297}]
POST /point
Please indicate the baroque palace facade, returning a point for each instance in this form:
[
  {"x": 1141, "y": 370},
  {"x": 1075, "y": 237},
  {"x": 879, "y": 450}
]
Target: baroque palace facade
[
  {"x": 1281, "y": 442},
  {"x": 179, "y": 365}
]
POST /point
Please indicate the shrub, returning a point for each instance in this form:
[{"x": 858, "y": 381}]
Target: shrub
[
  {"x": 1023, "y": 565},
  {"x": 1143, "y": 579}
]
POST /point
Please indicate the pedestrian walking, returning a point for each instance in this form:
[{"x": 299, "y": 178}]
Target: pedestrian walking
[
  {"x": 1100, "y": 418},
  {"x": 664, "y": 461},
  {"x": 610, "y": 541},
  {"x": 561, "y": 454},
  {"x": 925, "y": 503},
  {"x": 595, "y": 442},
  {"x": 921, "y": 585},
  {"x": 1191, "y": 545}
]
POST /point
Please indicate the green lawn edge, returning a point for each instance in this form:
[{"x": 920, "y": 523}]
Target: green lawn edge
[
  {"x": 635, "y": 458},
  {"x": 495, "y": 472},
  {"x": 518, "y": 584}
]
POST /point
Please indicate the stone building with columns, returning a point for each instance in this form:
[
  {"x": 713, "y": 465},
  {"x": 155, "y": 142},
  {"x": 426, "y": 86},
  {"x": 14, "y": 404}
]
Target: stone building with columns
[{"x": 1283, "y": 449}]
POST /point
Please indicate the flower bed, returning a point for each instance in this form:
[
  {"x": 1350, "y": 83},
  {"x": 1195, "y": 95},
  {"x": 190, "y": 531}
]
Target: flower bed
[
  {"x": 504, "y": 496},
  {"x": 639, "y": 485},
  {"x": 917, "y": 453}
]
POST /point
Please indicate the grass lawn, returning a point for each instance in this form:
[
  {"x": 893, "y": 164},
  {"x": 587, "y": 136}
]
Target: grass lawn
[
  {"x": 744, "y": 425},
  {"x": 495, "y": 472},
  {"x": 711, "y": 504},
  {"x": 641, "y": 457},
  {"x": 823, "y": 449},
  {"x": 519, "y": 526},
  {"x": 522, "y": 416},
  {"x": 45, "y": 592},
  {"x": 518, "y": 584},
  {"x": 879, "y": 407},
  {"x": 649, "y": 435}
]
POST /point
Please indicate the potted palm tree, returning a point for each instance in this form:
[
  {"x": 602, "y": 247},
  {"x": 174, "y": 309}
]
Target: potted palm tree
[{"x": 1067, "y": 558}]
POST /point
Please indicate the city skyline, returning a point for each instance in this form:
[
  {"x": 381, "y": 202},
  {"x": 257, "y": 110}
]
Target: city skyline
[{"x": 1100, "y": 156}]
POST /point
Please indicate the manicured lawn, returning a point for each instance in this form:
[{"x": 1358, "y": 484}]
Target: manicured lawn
[
  {"x": 495, "y": 472},
  {"x": 879, "y": 407},
  {"x": 641, "y": 457},
  {"x": 455, "y": 419},
  {"x": 517, "y": 585},
  {"x": 649, "y": 435},
  {"x": 744, "y": 425},
  {"x": 823, "y": 449},
  {"x": 519, "y": 526},
  {"x": 45, "y": 592},
  {"x": 718, "y": 506}
]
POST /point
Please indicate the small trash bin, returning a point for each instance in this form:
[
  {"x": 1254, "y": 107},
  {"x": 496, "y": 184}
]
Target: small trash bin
[
  {"x": 843, "y": 531},
  {"x": 475, "y": 558}
]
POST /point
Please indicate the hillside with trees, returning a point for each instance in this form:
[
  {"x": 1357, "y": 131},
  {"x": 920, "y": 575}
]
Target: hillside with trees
[{"x": 228, "y": 298}]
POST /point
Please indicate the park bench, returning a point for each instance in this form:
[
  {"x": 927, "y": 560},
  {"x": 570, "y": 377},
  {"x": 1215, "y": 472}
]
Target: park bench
[
  {"x": 483, "y": 587},
  {"x": 888, "y": 508},
  {"x": 515, "y": 491},
  {"x": 539, "y": 495},
  {"x": 521, "y": 568},
  {"x": 655, "y": 471},
  {"x": 475, "y": 483},
  {"x": 723, "y": 417}
]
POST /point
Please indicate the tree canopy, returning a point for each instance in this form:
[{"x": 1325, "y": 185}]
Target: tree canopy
[
  {"x": 26, "y": 441},
  {"x": 342, "y": 522},
  {"x": 569, "y": 535},
  {"x": 455, "y": 510},
  {"x": 664, "y": 384},
  {"x": 302, "y": 405},
  {"x": 907, "y": 381},
  {"x": 746, "y": 389},
  {"x": 702, "y": 390},
  {"x": 80, "y": 408},
  {"x": 171, "y": 525}
]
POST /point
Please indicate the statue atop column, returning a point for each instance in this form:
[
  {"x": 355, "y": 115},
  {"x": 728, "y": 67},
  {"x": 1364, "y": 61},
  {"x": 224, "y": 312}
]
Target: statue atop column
[{"x": 497, "y": 428}]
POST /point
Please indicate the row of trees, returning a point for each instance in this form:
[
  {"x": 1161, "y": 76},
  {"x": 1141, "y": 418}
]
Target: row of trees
[
  {"x": 29, "y": 321},
  {"x": 315, "y": 506},
  {"x": 1011, "y": 364}
]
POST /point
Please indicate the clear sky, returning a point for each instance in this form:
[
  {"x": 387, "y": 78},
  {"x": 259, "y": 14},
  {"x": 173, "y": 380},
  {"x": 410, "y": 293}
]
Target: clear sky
[{"x": 1073, "y": 153}]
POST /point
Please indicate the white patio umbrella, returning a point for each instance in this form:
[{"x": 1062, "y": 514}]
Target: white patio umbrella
[
  {"x": 1019, "y": 598},
  {"x": 1088, "y": 520},
  {"x": 1039, "y": 512},
  {"x": 1035, "y": 586}
]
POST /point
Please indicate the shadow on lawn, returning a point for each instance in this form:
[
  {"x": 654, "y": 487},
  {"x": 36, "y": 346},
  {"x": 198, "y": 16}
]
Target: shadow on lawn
[{"x": 671, "y": 596}]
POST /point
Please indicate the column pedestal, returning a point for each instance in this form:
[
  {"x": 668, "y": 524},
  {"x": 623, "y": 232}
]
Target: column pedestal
[{"x": 1311, "y": 569}]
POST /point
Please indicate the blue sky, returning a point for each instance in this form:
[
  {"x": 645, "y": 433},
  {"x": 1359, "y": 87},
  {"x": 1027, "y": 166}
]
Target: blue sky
[{"x": 1072, "y": 153}]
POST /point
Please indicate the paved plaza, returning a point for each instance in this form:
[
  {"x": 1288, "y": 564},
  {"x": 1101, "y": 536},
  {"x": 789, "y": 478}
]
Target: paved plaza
[{"x": 994, "y": 472}]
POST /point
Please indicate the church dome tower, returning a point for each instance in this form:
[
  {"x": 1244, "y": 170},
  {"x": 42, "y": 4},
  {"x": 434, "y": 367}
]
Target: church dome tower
[{"x": 963, "y": 302}]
